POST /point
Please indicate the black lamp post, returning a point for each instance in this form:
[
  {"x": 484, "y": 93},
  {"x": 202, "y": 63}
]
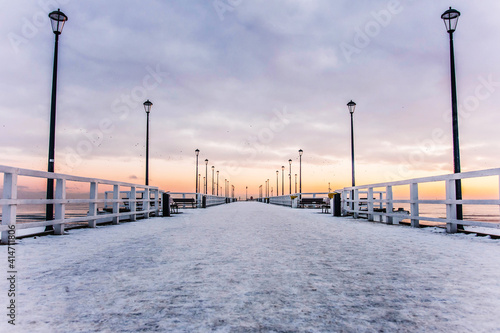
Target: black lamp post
[
  {"x": 147, "y": 108},
  {"x": 206, "y": 176},
  {"x": 277, "y": 188},
  {"x": 300, "y": 170},
  {"x": 246, "y": 193},
  {"x": 282, "y": 180},
  {"x": 213, "y": 180},
  {"x": 57, "y": 20},
  {"x": 218, "y": 183},
  {"x": 351, "y": 105},
  {"x": 197, "y": 152},
  {"x": 450, "y": 18},
  {"x": 290, "y": 175}
]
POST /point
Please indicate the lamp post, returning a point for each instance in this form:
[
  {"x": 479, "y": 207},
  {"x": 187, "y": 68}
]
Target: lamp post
[
  {"x": 206, "y": 176},
  {"x": 450, "y": 18},
  {"x": 290, "y": 175},
  {"x": 300, "y": 170},
  {"x": 282, "y": 180},
  {"x": 277, "y": 188},
  {"x": 213, "y": 180},
  {"x": 197, "y": 152},
  {"x": 351, "y": 106},
  {"x": 246, "y": 193},
  {"x": 218, "y": 183},
  {"x": 267, "y": 187},
  {"x": 147, "y": 108},
  {"x": 57, "y": 20}
]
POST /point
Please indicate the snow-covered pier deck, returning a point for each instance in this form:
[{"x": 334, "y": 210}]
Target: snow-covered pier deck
[{"x": 252, "y": 267}]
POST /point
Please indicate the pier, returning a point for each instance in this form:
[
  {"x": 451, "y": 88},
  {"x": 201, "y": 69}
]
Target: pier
[{"x": 252, "y": 267}]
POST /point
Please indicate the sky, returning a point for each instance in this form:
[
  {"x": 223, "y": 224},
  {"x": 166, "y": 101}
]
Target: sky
[{"x": 249, "y": 83}]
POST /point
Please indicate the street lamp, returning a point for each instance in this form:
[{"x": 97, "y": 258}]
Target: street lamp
[
  {"x": 290, "y": 175},
  {"x": 300, "y": 170},
  {"x": 282, "y": 180},
  {"x": 197, "y": 152},
  {"x": 147, "y": 108},
  {"x": 246, "y": 193},
  {"x": 277, "y": 188},
  {"x": 450, "y": 18},
  {"x": 206, "y": 176},
  {"x": 213, "y": 180},
  {"x": 351, "y": 106},
  {"x": 218, "y": 183},
  {"x": 57, "y": 20}
]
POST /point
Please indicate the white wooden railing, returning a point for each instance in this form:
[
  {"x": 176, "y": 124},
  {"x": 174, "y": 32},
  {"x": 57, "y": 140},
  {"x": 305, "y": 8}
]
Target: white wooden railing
[
  {"x": 361, "y": 200},
  {"x": 9, "y": 202}
]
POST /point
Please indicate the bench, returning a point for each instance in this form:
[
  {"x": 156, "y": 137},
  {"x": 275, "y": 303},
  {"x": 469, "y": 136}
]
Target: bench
[
  {"x": 311, "y": 201},
  {"x": 184, "y": 201}
]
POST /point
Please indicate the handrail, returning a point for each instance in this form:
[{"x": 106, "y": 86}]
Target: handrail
[
  {"x": 352, "y": 203},
  {"x": 10, "y": 201}
]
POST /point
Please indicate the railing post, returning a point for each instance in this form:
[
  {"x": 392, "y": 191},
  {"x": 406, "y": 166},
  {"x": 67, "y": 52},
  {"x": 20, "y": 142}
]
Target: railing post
[
  {"x": 157, "y": 203},
  {"x": 60, "y": 208},
  {"x": 355, "y": 203},
  {"x": 451, "y": 207},
  {"x": 369, "y": 197},
  {"x": 414, "y": 204},
  {"x": 93, "y": 204},
  {"x": 145, "y": 203},
  {"x": 133, "y": 203},
  {"x": 9, "y": 212},
  {"x": 116, "y": 203},
  {"x": 389, "y": 205}
]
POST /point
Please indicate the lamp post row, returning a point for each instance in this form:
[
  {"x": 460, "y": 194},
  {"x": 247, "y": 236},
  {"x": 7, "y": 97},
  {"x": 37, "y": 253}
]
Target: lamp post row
[{"x": 58, "y": 19}]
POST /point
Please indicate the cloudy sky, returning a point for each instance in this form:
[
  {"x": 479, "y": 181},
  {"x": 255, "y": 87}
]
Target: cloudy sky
[{"x": 249, "y": 83}]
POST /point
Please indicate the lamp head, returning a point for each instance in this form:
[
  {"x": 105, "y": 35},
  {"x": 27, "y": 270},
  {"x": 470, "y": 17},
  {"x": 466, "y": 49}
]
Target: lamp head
[
  {"x": 450, "y": 18},
  {"x": 57, "y": 20},
  {"x": 351, "y": 105},
  {"x": 147, "y": 106}
]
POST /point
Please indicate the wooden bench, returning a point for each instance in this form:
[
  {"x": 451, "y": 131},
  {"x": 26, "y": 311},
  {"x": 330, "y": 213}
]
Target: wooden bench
[
  {"x": 184, "y": 201},
  {"x": 311, "y": 201}
]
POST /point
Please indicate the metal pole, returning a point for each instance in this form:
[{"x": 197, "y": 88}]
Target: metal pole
[
  {"x": 147, "y": 149},
  {"x": 277, "y": 174},
  {"x": 282, "y": 180},
  {"x": 196, "y": 173},
  {"x": 300, "y": 173},
  {"x": 456, "y": 145},
  {"x": 352, "y": 159},
  {"x": 217, "y": 182},
  {"x": 290, "y": 175},
  {"x": 49, "y": 209},
  {"x": 213, "y": 190},
  {"x": 206, "y": 177}
]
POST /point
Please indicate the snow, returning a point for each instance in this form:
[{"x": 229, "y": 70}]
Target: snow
[{"x": 252, "y": 267}]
